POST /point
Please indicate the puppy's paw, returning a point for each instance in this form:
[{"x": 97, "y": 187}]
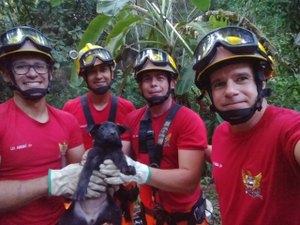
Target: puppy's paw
[{"x": 128, "y": 170}]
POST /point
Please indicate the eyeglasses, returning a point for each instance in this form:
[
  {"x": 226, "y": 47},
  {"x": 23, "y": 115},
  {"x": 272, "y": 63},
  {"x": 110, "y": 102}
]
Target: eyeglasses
[
  {"x": 88, "y": 58},
  {"x": 236, "y": 39},
  {"x": 22, "y": 69},
  {"x": 16, "y": 37},
  {"x": 156, "y": 56}
]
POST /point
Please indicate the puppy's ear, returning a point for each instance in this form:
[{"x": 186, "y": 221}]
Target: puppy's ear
[
  {"x": 93, "y": 129},
  {"x": 122, "y": 128}
]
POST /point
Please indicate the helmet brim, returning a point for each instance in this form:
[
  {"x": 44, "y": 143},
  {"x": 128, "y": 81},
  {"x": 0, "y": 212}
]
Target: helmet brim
[
  {"x": 150, "y": 66},
  {"x": 49, "y": 56},
  {"x": 202, "y": 79}
]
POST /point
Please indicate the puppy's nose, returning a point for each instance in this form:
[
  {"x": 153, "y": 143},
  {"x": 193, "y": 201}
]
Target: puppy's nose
[{"x": 112, "y": 132}]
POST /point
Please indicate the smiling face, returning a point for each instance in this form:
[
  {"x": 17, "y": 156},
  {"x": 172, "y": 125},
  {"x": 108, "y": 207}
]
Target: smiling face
[
  {"x": 99, "y": 76},
  {"x": 37, "y": 74},
  {"x": 233, "y": 87}
]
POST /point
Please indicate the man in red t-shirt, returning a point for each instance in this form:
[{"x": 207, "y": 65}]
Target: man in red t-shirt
[
  {"x": 36, "y": 139},
  {"x": 169, "y": 151},
  {"x": 95, "y": 64},
  {"x": 256, "y": 150}
]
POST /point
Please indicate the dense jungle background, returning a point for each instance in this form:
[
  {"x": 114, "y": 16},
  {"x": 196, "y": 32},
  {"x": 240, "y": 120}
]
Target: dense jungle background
[{"x": 125, "y": 26}]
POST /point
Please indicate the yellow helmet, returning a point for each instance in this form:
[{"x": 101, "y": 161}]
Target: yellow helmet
[
  {"x": 88, "y": 54},
  {"x": 242, "y": 45},
  {"x": 154, "y": 59}
]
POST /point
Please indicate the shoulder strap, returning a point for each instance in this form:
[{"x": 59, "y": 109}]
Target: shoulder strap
[
  {"x": 87, "y": 113},
  {"x": 155, "y": 150},
  {"x": 113, "y": 109},
  {"x": 162, "y": 134}
]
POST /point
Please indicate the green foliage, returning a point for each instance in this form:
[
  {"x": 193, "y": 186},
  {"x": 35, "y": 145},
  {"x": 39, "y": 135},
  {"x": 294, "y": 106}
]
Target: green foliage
[
  {"x": 116, "y": 37},
  {"x": 188, "y": 74},
  {"x": 130, "y": 90},
  {"x": 94, "y": 30},
  {"x": 285, "y": 91},
  {"x": 202, "y": 5},
  {"x": 218, "y": 22},
  {"x": 5, "y": 92},
  {"x": 111, "y": 7}
]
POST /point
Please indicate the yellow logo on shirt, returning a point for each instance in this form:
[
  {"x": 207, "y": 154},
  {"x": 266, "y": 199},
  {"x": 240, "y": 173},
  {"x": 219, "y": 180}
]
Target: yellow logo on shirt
[
  {"x": 167, "y": 140},
  {"x": 252, "y": 184},
  {"x": 63, "y": 147}
]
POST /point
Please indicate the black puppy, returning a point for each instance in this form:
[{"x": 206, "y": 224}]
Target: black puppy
[{"x": 107, "y": 145}]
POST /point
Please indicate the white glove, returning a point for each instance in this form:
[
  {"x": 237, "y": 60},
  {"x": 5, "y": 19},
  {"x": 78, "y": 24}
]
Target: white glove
[
  {"x": 63, "y": 182},
  {"x": 115, "y": 177}
]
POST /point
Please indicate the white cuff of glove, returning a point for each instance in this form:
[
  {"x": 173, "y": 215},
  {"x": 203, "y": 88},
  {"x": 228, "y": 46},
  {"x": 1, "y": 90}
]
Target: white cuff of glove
[
  {"x": 115, "y": 177},
  {"x": 63, "y": 181}
]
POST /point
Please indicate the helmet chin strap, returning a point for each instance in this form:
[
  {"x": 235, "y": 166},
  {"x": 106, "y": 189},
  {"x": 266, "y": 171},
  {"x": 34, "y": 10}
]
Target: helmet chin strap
[
  {"x": 157, "y": 100},
  {"x": 236, "y": 116},
  {"x": 239, "y": 116},
  {"x": 31, "y": 94},
  {"x": 100, "y": 90}
]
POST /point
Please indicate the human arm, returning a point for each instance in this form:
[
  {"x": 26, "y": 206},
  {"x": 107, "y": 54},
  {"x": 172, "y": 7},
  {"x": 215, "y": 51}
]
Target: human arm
[
  {"x": 74, "y": 155},
  {"x": 15, "y": 194},
  {"x": 183, "y": 179},
  {"x": 208, "y": 153},
  {"x": 297, "y": 152},
  {"x": 126, "y": 147}
]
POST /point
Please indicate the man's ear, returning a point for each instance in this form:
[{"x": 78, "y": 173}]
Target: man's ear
[
  {"x": 173, "y": 84},
  {"x": 112, "y": 73},
  {"x": 51, "y": 71},
  {"x": 122, "y": 128},
  {"x": 5, "y": 75}
]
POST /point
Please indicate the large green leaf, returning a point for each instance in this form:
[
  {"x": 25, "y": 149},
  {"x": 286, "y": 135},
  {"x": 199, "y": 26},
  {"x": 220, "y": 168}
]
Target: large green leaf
[
  {"x": 116, "y": 36},
  {"x": 94, "y": 30},
  {"x": 111, "y": 7},
  {"x": 202, "y": 5},
  {"x": 187, "y": 76}
]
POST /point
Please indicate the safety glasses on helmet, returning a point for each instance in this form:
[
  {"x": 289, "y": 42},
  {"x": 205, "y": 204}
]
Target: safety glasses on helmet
[
  {"x": 236, "y": 39},
  {"x": 156, "y": 56},
  {"x": 16, "y": 37},
  {"x": 88, "y": 58}
]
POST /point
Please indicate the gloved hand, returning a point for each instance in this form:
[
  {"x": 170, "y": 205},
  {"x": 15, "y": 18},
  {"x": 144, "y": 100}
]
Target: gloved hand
[
  {"x": 115, "y": 177},
  {"x": 63, "y": 182}
]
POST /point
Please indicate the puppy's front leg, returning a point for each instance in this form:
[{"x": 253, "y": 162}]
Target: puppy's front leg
[
  {"x": 93, "y": 161},
  {"x": 119, "y": 159}
]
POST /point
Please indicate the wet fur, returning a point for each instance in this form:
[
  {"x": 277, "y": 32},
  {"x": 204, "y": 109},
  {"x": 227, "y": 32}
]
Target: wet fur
[{"x": 107, "y": 145}]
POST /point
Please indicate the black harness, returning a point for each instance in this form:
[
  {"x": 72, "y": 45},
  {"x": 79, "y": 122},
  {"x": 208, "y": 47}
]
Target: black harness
[
  {"x": 88, "y": 115},
  {"x": 155, "y": 151},
  {"x": 146, "y": 136}
]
